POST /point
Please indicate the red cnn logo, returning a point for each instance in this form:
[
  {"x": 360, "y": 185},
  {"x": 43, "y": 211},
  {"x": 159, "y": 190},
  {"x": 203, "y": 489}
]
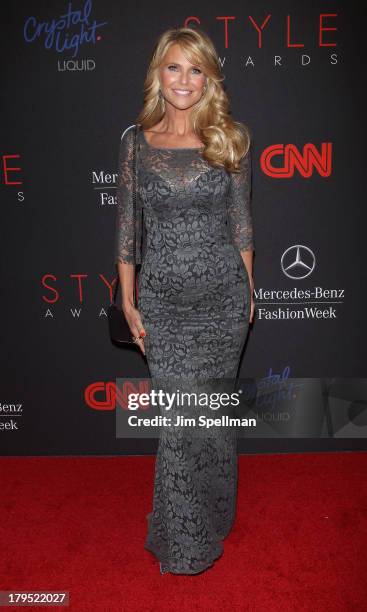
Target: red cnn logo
[
  {"x": 107, "y": 396},
  {"x": 292, "y": 159}
]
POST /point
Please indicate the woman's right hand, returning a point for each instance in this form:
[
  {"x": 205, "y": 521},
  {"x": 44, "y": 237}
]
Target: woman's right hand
[{"x": 133, "y": 319}]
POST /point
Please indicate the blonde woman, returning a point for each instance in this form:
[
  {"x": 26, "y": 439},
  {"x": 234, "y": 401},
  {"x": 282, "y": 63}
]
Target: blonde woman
[{"x": 195, "y": 285}]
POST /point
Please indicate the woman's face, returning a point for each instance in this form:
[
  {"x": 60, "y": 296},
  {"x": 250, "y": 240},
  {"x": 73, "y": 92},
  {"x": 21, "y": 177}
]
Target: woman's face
[{"x": 181, "y": 82}]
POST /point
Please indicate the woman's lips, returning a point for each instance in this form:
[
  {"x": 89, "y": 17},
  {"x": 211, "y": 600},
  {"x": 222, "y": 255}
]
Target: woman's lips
[{"x": 182, "y": 92}]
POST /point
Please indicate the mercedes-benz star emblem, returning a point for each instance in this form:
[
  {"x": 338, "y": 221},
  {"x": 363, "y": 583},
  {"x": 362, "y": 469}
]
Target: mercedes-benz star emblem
[{"x": 298, "y": 261}]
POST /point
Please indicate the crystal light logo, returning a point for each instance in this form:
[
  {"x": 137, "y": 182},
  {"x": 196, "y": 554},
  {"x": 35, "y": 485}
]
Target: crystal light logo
[
  {"x": 298, "y": 261},
  {"x": 68, "y": 32}
]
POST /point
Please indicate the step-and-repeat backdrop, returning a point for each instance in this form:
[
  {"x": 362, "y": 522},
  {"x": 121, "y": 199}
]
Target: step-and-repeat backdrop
[{"x": 72, "y": 81}]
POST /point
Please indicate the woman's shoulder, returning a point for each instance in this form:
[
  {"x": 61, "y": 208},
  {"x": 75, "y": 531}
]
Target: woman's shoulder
[
  {"x": 128, "y": 133},
  {"x": 126, "y": 142}
]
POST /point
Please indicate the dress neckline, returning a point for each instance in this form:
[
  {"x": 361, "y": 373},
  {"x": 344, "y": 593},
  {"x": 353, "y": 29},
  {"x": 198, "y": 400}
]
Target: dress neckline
[{"x": 168, "y": 148}]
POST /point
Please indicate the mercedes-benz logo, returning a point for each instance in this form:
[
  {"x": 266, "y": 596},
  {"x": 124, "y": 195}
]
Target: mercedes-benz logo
[{"x": 298, "y": 261}]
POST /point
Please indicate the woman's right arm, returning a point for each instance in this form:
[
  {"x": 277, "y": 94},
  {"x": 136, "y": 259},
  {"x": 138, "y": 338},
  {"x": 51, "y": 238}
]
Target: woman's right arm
[
  {"x": 124, "y": 229},
  {"x": 125, "y": 257}
]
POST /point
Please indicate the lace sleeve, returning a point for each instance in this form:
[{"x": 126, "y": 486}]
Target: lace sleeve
[
  {"x": 239, "y": 207},
  {"x": 124, "y": 226}
]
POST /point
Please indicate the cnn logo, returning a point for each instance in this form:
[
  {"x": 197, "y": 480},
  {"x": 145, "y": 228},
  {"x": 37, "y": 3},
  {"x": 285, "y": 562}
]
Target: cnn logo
[{"x": 293, "y": 160}]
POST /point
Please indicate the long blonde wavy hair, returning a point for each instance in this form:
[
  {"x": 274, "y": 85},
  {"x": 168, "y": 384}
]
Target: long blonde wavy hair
[{"x": 225, "y": 141}]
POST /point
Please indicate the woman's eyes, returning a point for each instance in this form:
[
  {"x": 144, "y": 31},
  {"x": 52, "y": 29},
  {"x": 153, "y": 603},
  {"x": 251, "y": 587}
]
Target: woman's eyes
[{"x": 173, "y": 66}]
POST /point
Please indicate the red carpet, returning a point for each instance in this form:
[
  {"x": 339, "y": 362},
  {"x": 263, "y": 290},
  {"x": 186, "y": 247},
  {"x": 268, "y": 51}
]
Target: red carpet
[{"x": 78, "y": 524}]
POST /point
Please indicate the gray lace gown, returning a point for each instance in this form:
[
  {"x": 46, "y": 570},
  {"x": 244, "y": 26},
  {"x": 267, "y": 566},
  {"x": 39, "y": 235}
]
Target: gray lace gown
[{"x": 194, "y": 302}]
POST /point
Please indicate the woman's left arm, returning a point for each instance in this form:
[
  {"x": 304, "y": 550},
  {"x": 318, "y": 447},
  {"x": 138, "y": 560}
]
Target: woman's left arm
[{"x": 240, "y": 216}]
